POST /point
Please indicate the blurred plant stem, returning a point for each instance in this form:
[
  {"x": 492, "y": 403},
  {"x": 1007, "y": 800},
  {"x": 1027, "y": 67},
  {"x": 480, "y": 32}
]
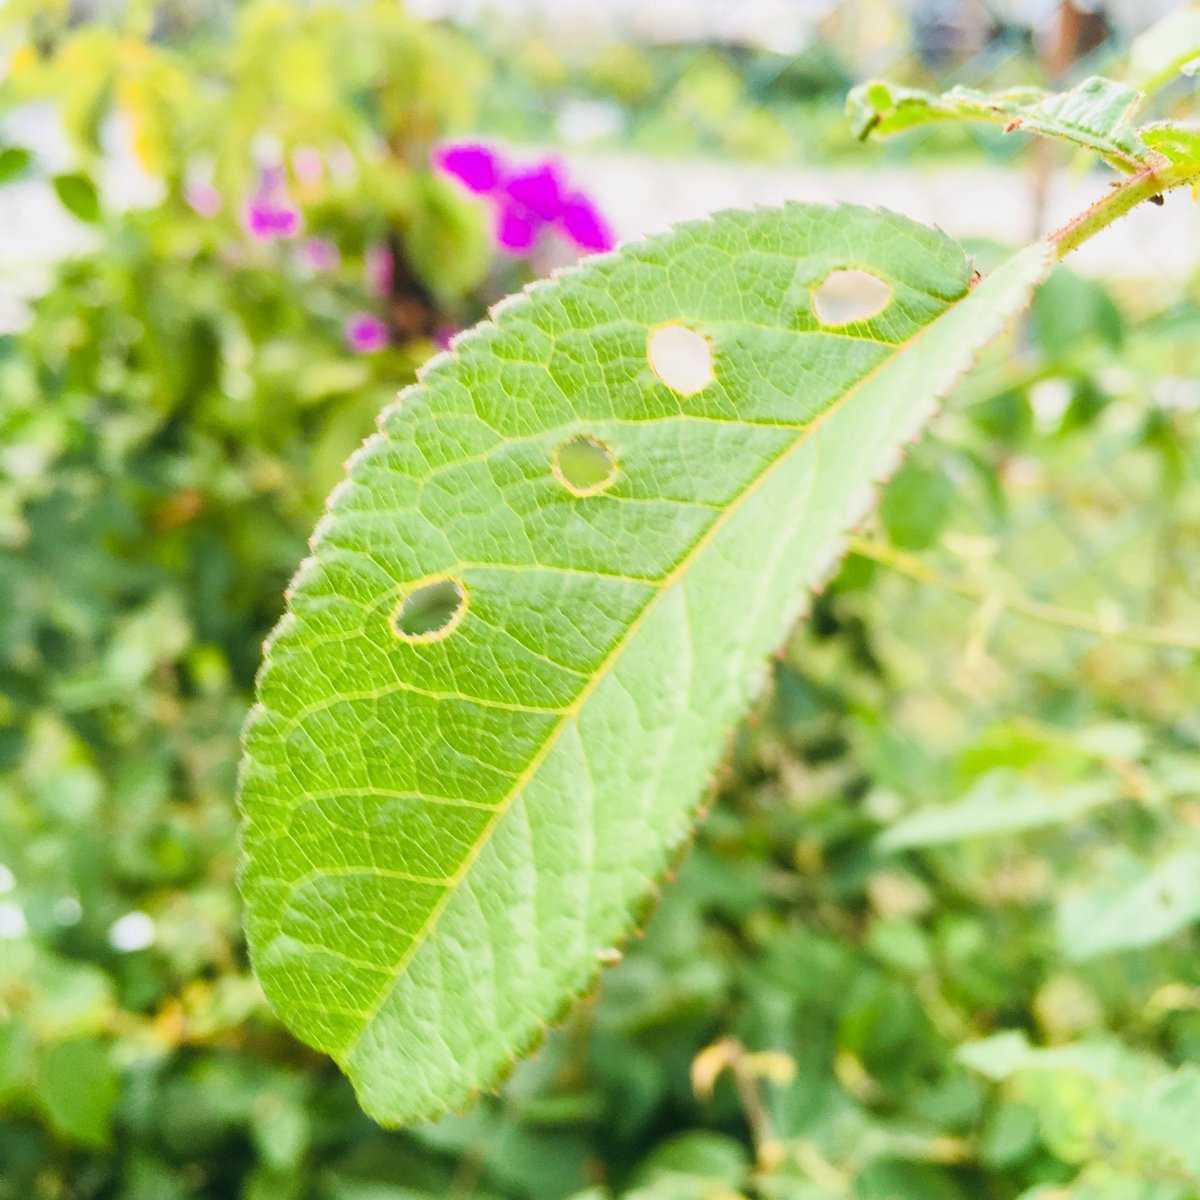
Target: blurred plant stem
[
  {"x": 1035, "y": 610},
  {"x": 749, "y": 1071}
]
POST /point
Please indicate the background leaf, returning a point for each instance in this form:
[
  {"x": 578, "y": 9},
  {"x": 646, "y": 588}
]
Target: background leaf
[
  {"x": 78, "y": 196},
  {"x": 1094, "y": 114},
  {"x": 14, "y": 162},
  {"x": 915, "y": 505},
  {"x": 1157, "y": 56},
  {"x": 1152, "y": 905},
  {"x": 78, "y": 1087},
  {"x": 999, "y": 802},
  {"x": 1100, "y": 1103}
]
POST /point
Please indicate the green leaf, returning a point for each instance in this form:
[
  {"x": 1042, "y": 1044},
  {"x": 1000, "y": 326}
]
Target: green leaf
[
  {"x": 78, "y": 195},
  {"x": 450, "y": 826},
  {"x": 1100, "y": 1100},
  {"x": 1165, "y": 49},
  {"x": 915, "y": 506},
  {"x": 1094, "y": 114},
  {"x": 999, "y": 1056},
  {"x": 16, "y": 1059},
  {"x": 279, "y": 1126},
  {"x": 1005, "y": 1055},
  {"x": 1103, "y": 1182},
  {"x": 1011, "y": 1135},
  {"x": 63, "y": 998},
  {"x": 1153, "y": 906},
  {"x": 999, "y": 802},
  {"x": 1166, "y": 1115},
  {"x": 78, "y": 1088},
  {"x": 697, "y": 1156},
  {"x": 14, "y": 162},
  {"x": 338, "y": 1189},
  {"x": 1175, "y": 141},
  {"x": 1071, "y": 315}
]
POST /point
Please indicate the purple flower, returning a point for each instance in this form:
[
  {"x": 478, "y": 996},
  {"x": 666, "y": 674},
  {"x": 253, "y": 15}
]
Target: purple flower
[
  {"x": 515, "y": 231},
  {"x": 366, "y": 333},
  {"x": 267, "y": 220},
  {"x": 475, "y": 166},
  {"x": 202, "y": 198},
  {"x": 320, "y": 254},
  {"x": 270, "y": 214},
  {"x": 582, "y": 223},
  {"x": 537, "y": 191},
  {"x": 526, "y": 200},
  {"x": 444, "y": 335}
]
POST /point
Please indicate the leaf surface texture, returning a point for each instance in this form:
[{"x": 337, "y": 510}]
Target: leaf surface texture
[{"x": 446, "y": 832}]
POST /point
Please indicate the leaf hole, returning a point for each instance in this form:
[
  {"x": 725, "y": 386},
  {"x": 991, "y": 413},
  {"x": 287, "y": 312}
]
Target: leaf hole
[
  {"x": 430, "y": 611},
  {"x": 681, "y": 358},
  {"x": 584, "y": 465},
  {"x": 849, "y": 296}
]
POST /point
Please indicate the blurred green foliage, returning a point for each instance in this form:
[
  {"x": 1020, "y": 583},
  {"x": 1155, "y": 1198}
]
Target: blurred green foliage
[
  {"x": 938, "y": 937},
  {"x": 662, "y": 99},
  {"x": 750, "y": 102}
]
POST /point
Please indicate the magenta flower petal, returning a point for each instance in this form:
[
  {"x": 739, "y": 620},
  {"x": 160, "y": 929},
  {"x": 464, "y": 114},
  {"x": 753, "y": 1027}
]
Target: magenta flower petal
[
  {"x": 270, "y": 213},
  {"x": 476, "y": 167},
  {"x": 537, "y": 189},
  {"x": 582, "y": 223},
  {"x": 526, "y": 199},
  {"x": 366, "y": 333},
  {"x": 268, "y": 218},
  {"x": 516, "y": 231}
]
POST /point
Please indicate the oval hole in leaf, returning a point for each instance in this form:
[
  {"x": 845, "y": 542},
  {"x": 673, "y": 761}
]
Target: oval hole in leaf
[
  {"x": 849, "y": 296},
  {"x": 431, "y": 611},
  {"x": 584, "y": 465},
  {"x": 681, "y": 358}
]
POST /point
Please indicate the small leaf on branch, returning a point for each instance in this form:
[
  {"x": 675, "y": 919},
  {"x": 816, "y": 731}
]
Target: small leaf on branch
[{"x": 1094, "y": 114}]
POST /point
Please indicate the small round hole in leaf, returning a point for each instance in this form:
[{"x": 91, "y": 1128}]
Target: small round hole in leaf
[
  {"x": 431, "y": 611},
  {"x": 584, "y": 466},
  {"x": 849, "y": 296},
  {"x": 681, "y": 358}
]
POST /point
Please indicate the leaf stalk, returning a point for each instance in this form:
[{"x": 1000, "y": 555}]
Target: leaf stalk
[{"x": 1150, "y": 183}]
